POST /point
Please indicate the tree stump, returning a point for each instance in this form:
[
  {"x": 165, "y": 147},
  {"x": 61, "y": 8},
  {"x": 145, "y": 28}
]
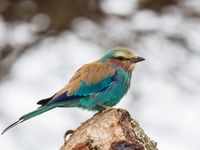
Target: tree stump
[{"x": 112, "y": 129}]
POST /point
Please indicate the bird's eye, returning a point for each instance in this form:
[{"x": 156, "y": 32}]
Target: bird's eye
[{"x": 120, "y": 58}]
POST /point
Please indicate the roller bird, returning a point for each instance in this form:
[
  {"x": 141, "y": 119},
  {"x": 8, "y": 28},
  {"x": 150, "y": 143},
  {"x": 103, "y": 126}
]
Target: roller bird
[{"x": 95, "y": 86}]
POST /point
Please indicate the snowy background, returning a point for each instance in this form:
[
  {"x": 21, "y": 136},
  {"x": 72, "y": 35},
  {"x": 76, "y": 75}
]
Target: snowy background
[{"x": 38, "y": 57}]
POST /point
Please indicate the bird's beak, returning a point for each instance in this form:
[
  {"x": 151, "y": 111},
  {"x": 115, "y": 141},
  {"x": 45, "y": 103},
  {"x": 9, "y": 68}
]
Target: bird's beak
[{"x": 137, "y": 59}]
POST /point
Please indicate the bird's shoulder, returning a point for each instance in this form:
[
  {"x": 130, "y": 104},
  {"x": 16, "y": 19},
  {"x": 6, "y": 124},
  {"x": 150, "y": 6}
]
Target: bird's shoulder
[{"x": 91, "y": 73}]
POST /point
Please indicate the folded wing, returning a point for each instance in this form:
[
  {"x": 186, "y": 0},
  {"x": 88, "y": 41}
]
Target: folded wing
[{"x": 88, "y": 80}]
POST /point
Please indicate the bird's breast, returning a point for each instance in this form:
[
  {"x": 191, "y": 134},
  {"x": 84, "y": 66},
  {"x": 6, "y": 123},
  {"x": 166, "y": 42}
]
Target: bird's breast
[
  {"x": 123, "y": 79},
  {"x": 117, "y": 90}
]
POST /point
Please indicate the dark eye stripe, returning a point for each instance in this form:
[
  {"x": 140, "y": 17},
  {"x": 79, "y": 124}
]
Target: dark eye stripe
[{"x": 121, "y": 58}]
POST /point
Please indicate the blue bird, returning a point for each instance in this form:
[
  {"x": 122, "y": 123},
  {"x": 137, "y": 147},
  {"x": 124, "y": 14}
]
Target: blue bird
[{"x": 95, "y": 86}]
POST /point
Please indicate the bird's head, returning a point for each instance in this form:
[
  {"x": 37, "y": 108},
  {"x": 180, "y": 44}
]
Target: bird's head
[{"x": 122, "y": 57}]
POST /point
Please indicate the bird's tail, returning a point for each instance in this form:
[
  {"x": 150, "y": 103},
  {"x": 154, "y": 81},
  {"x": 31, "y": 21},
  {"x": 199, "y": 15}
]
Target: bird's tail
[{"x": 30, "y": 115}]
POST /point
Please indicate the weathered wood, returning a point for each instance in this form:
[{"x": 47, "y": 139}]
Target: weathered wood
[{"x": 112, "y": 129}]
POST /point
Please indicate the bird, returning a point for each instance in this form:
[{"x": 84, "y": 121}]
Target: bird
[{"x": 96, "y": 86}]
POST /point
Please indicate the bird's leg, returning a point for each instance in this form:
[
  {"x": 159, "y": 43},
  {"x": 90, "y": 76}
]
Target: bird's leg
[{"x": 104, "y": 106}]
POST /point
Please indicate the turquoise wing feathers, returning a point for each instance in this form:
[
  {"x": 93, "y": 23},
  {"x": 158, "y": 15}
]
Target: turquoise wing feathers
[{"x": 88, "y": 80}]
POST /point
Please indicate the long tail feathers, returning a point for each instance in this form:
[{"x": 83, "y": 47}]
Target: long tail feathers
[
  {"x": 12, "y": 125},
  {"x": 30, "y": 115}
]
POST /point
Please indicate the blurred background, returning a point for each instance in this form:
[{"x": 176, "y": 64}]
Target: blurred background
[{"x": 42, "y": 42}]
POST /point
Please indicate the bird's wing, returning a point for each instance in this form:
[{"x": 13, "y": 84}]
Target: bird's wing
[{"x": 88, "y": 80}]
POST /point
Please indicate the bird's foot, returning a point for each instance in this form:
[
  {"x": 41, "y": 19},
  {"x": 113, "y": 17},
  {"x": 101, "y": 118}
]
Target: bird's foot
[
  {"x": 68, "y": 134},
  {"x": 105, "y": 107}
]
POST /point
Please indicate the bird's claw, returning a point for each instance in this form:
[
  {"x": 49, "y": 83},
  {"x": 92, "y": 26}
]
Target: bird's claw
[
  {"x": 105, "y": 107},
  {"x": 68, "y": 134}
]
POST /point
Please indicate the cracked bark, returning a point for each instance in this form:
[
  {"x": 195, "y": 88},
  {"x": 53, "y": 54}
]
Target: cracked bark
[{"x": 113, "y": 129}]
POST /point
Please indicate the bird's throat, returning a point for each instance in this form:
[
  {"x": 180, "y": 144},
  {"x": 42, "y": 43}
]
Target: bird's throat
[{"x": 126, "y": 66}]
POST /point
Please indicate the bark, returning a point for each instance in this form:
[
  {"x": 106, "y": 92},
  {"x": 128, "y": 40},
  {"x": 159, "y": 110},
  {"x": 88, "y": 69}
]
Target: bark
[{"x": 112, "y": 129}]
